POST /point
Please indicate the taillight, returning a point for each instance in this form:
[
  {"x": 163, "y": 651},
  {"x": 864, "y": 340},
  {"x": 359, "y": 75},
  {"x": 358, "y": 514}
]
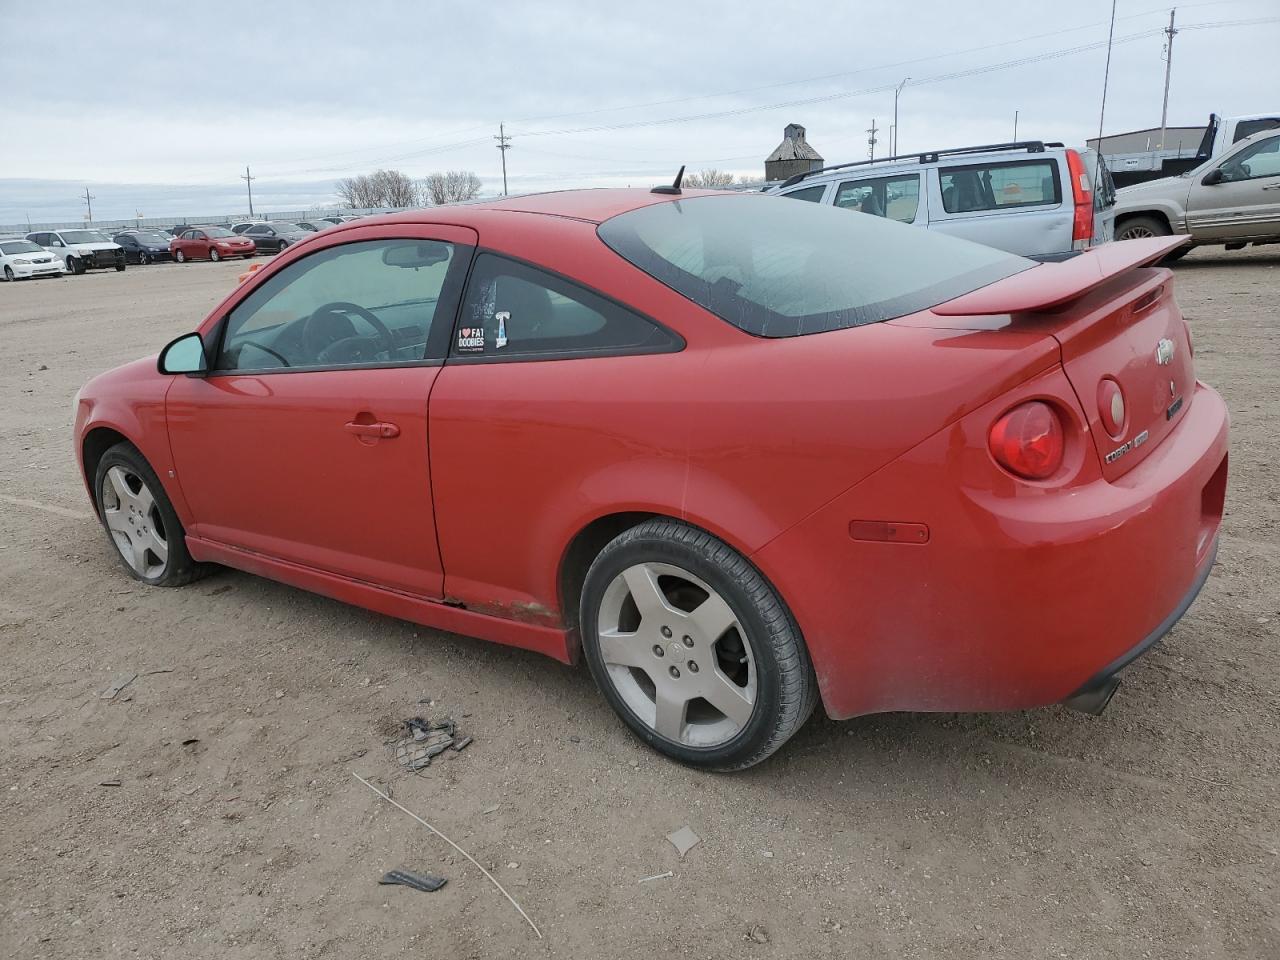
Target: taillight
[
  {"x": 1028, "y": 441},
  {"x": 1111, "y": 407},
  {"x": 1082, "y": 192}
]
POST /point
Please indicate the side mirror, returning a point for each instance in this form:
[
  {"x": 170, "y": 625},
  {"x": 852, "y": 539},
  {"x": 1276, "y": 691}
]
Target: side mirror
[
  {"x": 183, "y": 355},
  {"x": 1213, "y": 176}
]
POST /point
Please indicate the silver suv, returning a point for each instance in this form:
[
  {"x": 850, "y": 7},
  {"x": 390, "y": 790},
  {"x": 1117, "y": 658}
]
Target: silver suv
[
  {"x": 1234, "y": 199},
  {"x": 1030, "y": 198}
]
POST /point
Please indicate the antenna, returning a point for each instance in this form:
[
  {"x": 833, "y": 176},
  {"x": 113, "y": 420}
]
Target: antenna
[
  {"x": 1102, "y": 111},
  {"x": 504, "y": 144},
  {"x": 675, "y": 187}
]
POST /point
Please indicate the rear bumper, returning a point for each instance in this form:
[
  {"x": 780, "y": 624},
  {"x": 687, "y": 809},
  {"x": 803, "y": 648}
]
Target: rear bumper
[{"x": 1022, "y": 596}]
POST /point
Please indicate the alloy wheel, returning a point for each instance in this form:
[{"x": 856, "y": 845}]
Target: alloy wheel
[
  {"x": 134, "y": 521},
  {"x": 677, "y": 655},
  {"x": 214, "y": 255},
  {"x": 1136, "y": 233}
]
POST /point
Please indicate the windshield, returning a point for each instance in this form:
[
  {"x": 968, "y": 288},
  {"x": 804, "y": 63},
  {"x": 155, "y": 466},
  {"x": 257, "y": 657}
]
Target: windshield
[
  {"x": 151, "y": 238},
  {"x": 83, "y": 236},
  {"x": 288, "y": 228},
  {"x": 20, "y": 246},
  {"x": 779, "y": 269},
  {"x": 217, "y": 233}
]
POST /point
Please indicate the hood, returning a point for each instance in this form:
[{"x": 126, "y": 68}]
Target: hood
[
  {"x": 94, "y": 246},
  {"x": 1171, "y": 187}
]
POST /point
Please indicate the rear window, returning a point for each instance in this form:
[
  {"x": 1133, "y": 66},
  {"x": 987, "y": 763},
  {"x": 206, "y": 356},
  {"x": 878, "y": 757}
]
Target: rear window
[
  {"x": 1247, "y": 128},
  {"x": 788, "y": 269},
  {"x": 999, "y": 186}
]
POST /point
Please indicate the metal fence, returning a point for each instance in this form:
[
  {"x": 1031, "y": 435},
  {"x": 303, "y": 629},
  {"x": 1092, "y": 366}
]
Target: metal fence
[{"x": 136, "y": 223}]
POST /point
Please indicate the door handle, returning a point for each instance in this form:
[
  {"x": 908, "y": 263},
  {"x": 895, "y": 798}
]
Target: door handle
[
  {"x": 1274, "y": 186},
  {"x": 379, "y": 430}
]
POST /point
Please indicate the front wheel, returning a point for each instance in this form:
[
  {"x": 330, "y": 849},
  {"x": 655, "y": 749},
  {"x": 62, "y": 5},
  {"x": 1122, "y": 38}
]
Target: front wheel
[
  {"x": 214, "y": 255},
  {"x": 8, "y": 274},
  {"x": 75, "y": 266},
  {"x": 138, "y": 517},
  {"x": 1140, "y": 228},
  {"x": 180, "y": 257},
  {"x": 119, "y": 268},
  {"x": 693, "y": 648}
]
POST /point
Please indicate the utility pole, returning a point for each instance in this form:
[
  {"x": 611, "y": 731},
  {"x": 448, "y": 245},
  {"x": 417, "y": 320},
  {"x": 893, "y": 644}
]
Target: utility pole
[
  {"x": 871, "y": 138},
  {"x": 504, "y": 144},
  {"x": 893, "y": 139},
  {"x": 248, "y": 182},
  {"x": 1015, "y": 126},
  {"x": 88, "y": 199},
  {"x": 1170, "y": 33}
]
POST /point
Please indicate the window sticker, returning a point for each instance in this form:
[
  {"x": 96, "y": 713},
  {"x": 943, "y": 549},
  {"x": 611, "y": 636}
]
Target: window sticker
[
  {"x": 471, "y": 340},
  {"x": 502, "y": 316}
]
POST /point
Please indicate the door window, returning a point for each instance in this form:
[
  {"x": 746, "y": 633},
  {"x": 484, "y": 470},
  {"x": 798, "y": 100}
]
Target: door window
[
  {"x": 370, "y": 303},
  {"x": 894, "y": 197},
  {"x": 1000, "y": 186},
  {"x": 812, "y": 194},
  {"x": 514, "y": 310},
  {"x": 1252, "y": 163}
]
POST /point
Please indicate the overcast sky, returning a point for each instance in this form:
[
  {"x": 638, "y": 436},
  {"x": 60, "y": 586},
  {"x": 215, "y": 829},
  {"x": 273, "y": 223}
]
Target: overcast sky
[{"x": 157, "y": 108}]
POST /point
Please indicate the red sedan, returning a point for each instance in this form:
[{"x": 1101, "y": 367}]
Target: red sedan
[
  {"x": 739, "y": 453},
  {"x": 209, "y": 243}
]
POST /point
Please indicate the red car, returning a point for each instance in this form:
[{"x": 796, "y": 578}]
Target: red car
[
  {"x": 739, "y": 453},
  {"x": 209, "y": 243}
]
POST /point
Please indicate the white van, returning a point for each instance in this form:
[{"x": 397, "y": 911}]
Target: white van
[{"x": 1031, "y": 198}]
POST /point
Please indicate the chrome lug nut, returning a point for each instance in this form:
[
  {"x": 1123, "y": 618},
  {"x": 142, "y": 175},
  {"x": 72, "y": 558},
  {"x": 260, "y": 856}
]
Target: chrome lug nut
[
  {"x": 693, "y": 666},
  {"x": 675, "y": 672}
]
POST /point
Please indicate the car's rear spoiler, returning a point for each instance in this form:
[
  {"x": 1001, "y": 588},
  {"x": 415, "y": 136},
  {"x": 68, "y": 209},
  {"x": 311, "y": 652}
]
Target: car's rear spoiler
[{"x": 1053, "y": 284}]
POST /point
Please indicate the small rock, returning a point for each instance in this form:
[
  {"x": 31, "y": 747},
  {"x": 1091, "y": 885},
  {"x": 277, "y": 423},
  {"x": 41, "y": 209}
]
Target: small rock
[
  {"x": 757, "y": 934},
  {"x": 279, "y": 694},
  {"x": 767, "y": 854},
  {"x": 513, "y": 865}
]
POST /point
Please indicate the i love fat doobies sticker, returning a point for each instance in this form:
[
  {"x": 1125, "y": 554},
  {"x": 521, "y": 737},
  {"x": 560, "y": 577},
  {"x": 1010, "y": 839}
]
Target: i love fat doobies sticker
[{"x": 470, "y": 340}]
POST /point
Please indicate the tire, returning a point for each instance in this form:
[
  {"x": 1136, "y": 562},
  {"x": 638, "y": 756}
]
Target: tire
[
  {"x": 1178, "y": 254},
  {"x": 142, "y": 527},
  {"x": 75, "y": 266},
  {"x": 742, "y": 688},
  {"x": 8, "y": 274},
  {"x": 283, "y": 246},
  {"x": 120, "y": 267},
  {"x": 1136, "y": 228},
  {"x": 214, "y": 255},
  {"x": 180, "y": 257}
]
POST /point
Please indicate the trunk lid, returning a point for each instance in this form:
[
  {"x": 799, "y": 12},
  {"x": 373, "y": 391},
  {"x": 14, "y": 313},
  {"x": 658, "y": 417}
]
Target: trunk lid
[{"x": 1113, "y": 322}]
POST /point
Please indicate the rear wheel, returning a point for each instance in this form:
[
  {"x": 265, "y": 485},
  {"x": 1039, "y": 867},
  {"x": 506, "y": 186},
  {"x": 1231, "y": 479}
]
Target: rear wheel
[
  {"x": 119, "y": 268},
  {"x": 693, "y": 648},
  {"x": 140, "y": 521}
]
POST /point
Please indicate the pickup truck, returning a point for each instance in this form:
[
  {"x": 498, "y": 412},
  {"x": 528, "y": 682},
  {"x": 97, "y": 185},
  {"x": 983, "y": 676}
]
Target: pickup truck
[
  {"x": 1220, "y": 134},
  {"x": 1232, "y": 199}
]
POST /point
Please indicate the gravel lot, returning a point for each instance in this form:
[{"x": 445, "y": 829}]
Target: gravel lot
[{"x": 237, "y": 831}]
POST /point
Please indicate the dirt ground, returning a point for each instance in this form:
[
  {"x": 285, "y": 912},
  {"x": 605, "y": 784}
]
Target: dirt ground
[{"x": 237, "y": 830}]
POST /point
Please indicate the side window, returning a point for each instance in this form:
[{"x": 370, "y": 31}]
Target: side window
[
  {"x": 374, "y": 302},
  {"x": 897, "y": 198},
  {"x": 1000, "y": 186},
  {"x": 257, "y": 231},
  {"x": 1260, "y": 160},
  {"x": 515, "y": 310},
  {"x": 55, "y": 240},
  {"x": 812, "y": 194},
  {"x": 1247, "y": 128},
  {"x": 197, "y": 235}
]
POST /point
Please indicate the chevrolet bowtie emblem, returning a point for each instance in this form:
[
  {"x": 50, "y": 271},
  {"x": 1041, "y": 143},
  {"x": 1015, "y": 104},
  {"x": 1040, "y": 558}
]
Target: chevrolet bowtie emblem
[{"x": 1164, "y": 352}]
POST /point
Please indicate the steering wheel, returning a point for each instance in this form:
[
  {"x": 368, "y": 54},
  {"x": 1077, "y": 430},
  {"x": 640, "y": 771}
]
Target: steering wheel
[{"x": 328, "y": 336}]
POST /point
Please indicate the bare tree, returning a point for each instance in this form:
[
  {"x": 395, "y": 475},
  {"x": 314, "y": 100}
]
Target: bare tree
[
  {"x": 451, "y": 186},
  {"x": 710, "y": 179},
  {"x": 382, "y": 188}
]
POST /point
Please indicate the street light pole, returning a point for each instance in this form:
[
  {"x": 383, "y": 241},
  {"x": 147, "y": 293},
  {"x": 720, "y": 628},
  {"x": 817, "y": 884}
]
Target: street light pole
[{"x": 893, "y": 140}]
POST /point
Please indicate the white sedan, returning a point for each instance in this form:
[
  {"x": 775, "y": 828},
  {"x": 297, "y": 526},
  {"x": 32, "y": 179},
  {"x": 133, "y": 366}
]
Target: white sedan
[{"x": 22, "y": 260}]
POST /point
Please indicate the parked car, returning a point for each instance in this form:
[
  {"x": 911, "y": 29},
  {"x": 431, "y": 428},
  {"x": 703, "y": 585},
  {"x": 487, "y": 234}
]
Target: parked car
[
  {"x": 143, "y": 246},
  {"x": 743, "y": 455},
  {"x": 209, "y": 243},
  {"x": 1030, "y": 198},
  {"x": 275, "y": 235},
  {"x": 1233, "y": 199},
  {"x": 81, "y": 250},
  {"x": 238, "y": 228},
  {"x": 23, "y": 260}
]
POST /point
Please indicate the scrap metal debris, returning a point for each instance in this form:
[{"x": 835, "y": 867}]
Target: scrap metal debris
[
  {"x": 117, "y": 684},
  {"x": 684, "y": 840},
  {"x": 420, "y": 740},
  {"x": 426, "y": 882},
  {"x": 656, "y": 876}
]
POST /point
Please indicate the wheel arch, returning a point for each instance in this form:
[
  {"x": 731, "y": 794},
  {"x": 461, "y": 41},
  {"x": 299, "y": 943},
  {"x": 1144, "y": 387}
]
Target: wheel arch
[
  {"x": 97, "y": 441},
  {"x": 1155, "y": 213}
]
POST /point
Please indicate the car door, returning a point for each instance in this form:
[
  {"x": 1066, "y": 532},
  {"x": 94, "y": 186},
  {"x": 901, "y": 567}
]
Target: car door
[
  {"x": 1013, "y": 205},
  {"x": 307, "y": 440},
  {"x": 896, "y": 197},
  {"x": 1245, "y": 202}
]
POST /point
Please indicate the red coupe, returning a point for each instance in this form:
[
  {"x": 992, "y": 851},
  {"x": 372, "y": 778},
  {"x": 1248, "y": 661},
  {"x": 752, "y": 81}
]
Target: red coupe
[
  {"x": 209, "y": 243},
  {"x": 739, "y": 453}
]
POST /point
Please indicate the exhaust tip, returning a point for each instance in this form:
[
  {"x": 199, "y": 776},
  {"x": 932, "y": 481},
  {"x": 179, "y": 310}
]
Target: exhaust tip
[{"x": 1093, "y": 700}]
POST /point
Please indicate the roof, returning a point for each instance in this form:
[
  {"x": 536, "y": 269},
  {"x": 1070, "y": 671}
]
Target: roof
[
  {"x": 791, "y": 149},
  {"x": 592, "y": 206}
]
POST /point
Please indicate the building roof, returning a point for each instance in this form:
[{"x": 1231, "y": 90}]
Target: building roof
[{"x": 794, "y": 146}]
